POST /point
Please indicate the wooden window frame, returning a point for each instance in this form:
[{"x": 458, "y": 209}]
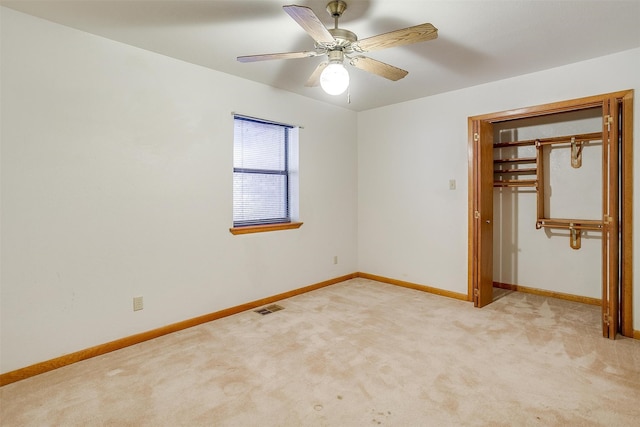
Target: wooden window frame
[{"x": 250, "y": 229}]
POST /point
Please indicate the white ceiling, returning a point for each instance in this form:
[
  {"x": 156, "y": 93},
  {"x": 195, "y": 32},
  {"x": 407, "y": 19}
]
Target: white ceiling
[{"x": 478, "y": 41}]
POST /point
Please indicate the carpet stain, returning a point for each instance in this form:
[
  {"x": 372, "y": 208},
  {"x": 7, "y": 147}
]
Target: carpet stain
[{"x": 380, "y": 416}]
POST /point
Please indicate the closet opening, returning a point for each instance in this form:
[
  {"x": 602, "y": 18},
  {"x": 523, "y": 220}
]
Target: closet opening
[{"x": 550, "y": 202}]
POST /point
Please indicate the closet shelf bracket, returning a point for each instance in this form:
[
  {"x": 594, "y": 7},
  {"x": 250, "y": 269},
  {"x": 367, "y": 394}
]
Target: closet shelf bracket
[
  {"x": 575, "y": 238},
  {"x": 576, "y": 153}
]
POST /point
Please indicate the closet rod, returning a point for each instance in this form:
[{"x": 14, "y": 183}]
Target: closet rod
[
  {"x": 514, "y": 143},
  {"x": 586, "y": 136},
  {"x": 521, "y": 171},
  {"x": 574, "y": 227},
  {"x": 595, "y": 136},
  {"x": 516, "y": 183},
  {"x": 570, "y": 224},
  {"x": 516, "y": 160}
]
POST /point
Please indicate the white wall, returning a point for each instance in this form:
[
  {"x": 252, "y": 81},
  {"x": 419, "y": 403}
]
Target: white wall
[
  {"x": 410, "y": 225},
  {"x": 117, "y": 180}
]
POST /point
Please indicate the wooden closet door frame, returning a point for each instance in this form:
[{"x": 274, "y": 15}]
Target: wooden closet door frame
[
  {"x": 622, "y": 264},
  {"x": 610, "y": 215},
  {"x": 481, "y": 136}
]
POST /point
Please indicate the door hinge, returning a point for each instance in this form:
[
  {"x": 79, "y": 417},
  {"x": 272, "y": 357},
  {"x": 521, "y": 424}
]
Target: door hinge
[
  {"x": 476, "y": 214},
  {"x": 607, "y": 121},
  {"x": 476, "y": 137},
  {"x": 476, "y": 292},
  {"x": 606, "y": 319},
  {"x": 607, "y": 220}
]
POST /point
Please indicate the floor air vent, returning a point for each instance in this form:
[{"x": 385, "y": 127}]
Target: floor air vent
[{"x": 269, "y": 309}]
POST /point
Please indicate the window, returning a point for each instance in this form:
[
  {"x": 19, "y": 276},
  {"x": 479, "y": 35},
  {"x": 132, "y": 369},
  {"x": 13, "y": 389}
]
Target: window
[{"x": 264, "y": 173}]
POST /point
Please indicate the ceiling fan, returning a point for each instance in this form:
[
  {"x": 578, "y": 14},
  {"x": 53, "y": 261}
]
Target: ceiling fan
[{"x": 338, "y": 44}]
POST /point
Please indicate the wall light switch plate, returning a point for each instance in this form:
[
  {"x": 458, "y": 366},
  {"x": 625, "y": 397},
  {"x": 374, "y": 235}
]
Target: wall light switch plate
[
  {"x": 452, "y": 184},
  {"x": 137, "y": 303}
]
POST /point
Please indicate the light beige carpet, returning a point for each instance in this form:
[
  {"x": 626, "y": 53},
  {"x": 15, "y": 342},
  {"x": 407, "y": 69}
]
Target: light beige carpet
[{"x": 355, "y": 354}]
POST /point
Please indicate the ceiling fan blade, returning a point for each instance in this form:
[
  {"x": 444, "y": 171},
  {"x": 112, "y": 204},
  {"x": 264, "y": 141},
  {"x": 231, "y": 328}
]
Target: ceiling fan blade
[
  {"x": 314, "y": 78},
  {"x": 415, "y": 34},
  {"x": 380, "y": 68},
  {"x": 269, "y": 56},
  {"x": 308, "y": 20}
]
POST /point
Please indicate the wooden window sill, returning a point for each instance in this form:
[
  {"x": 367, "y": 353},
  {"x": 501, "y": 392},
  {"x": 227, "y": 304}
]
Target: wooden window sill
[{"x": 264, "y": 228}]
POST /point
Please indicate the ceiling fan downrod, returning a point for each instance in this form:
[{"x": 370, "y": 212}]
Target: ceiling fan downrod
[{"x": 335, "y": 9}]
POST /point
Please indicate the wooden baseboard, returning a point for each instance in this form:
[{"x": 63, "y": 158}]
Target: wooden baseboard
[
  {"x": 545, "y": 293},
  {"x": 68, "y": 359},
  {"x": 415, "y": 286},
  {"x": 636, "y": 335}
]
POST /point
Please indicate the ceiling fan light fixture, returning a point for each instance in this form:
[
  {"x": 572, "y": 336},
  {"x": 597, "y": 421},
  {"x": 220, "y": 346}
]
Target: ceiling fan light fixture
[{"x": 334, "y": 79}]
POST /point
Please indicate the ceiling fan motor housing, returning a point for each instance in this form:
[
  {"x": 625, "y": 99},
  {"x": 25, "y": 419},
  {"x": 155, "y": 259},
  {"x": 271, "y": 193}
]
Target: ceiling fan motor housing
[{"x": 343, "y": 39}]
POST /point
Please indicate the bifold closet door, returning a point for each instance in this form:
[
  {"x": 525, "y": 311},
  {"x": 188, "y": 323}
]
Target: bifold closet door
[
  {"x": 483, "y": 214},
  {"x": 610, "y": 208}
]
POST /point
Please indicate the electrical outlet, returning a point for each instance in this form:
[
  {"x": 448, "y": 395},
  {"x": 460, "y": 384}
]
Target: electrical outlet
[
  {"x": 335, "y": 259},
  {"x": 452, "y": 184},
  {"x": 137, "y": 303}
]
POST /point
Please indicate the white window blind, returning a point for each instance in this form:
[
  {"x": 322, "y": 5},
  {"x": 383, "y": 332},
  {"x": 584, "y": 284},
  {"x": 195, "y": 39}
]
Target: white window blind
[{"x": 260, "y": 172}]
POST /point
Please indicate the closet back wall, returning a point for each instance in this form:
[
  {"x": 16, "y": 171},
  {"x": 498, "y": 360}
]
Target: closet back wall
[{"x": 543, "y": 259}]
